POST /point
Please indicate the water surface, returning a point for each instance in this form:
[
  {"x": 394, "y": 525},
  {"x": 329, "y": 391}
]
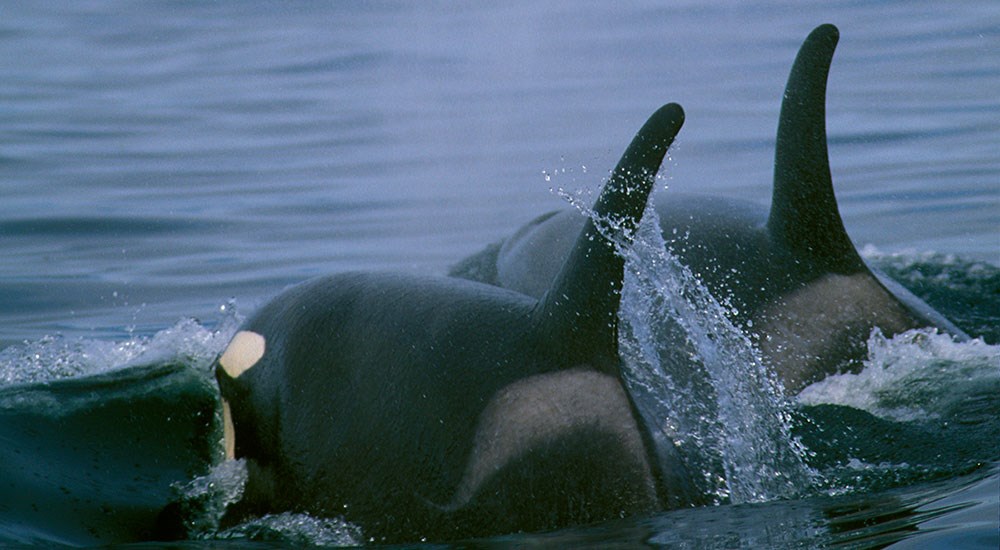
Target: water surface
[{"x": 168, "y": 161}]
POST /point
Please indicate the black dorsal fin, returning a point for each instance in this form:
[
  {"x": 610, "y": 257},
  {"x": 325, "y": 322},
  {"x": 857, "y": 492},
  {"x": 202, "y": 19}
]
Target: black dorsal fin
[
  {"x": 804, "y": 215},
  {"x": 579, "y": 312}
]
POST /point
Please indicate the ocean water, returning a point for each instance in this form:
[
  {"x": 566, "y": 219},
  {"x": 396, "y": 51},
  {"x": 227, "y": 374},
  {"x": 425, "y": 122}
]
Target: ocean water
[{"x": 165, "y": 167}]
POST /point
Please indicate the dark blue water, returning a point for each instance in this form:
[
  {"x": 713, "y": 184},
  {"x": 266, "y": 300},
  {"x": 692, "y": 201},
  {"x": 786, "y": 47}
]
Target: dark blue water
[{"x": 166, "y": 166}]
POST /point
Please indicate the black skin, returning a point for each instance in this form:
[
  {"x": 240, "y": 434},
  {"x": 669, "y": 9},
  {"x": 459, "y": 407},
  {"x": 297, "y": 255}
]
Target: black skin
[
  {"x": 761, "y": 263},
  {"x": 367, "y": 400}
]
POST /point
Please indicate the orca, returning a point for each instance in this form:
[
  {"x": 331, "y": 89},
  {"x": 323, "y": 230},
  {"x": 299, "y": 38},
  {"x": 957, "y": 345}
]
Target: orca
[
  {"x": 435, "y": 408},
  {"x": 792, "y": 279}
]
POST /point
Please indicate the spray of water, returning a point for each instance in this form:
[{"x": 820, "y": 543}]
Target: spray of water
[
  {"x": 699, "y": 379},
  {"x": 706, "y": 380},
  {"x": 55, "y": 357}
]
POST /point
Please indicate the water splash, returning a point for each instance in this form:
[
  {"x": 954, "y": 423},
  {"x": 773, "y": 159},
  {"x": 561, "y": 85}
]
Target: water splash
[
  {"x": 916, "y": 375},
  {"x": 53, "y": 357},
  {"x": 964, "y": 290},
  {"x": 883, "y": 427},
  {"x": 297, "y": 530},
  {"x": 202, "y": 503},
  {"x": 698, "y": 377}
]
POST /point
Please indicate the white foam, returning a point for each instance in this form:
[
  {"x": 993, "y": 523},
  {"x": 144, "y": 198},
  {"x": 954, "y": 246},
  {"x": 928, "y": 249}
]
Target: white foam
[
  {"x": 298, "y": 530},
  {"x": 913, "y": 376},
  {"x": 54, "y": 357},
  {"x": 207, "y": 497}
]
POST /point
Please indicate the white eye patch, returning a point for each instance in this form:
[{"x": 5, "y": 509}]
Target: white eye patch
[{"x": 245, "y": 349}]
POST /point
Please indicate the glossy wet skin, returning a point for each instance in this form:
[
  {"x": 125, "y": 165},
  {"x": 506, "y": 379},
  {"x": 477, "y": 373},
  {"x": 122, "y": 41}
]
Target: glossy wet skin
[
  {"x": 807, "y": 323},
  {"x": 791, "y": 276},
  {"x": 442, "y": 408}
]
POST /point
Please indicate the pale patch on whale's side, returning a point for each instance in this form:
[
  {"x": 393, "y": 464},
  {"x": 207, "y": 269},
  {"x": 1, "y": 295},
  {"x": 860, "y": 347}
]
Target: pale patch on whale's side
[
  {"x": 379, "y": 396},
  {"x": 532, "y": 411},
  {"x": 799, "y": 325},
  {"x": 776, "y": 269}
]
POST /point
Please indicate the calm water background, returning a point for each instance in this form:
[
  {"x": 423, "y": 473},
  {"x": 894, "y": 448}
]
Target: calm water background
[{"x": 158, "y": 159}]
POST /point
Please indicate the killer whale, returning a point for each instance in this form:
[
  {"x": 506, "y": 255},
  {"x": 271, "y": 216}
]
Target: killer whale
[
  {"x": 437, "y": 408},
  {"x": 792, "y": 278}
]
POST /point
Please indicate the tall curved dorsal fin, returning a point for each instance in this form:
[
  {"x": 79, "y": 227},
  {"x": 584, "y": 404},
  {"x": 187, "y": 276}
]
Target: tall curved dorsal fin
[
  {"x": 804, "y": 215},
  {"x": 579, "y": 312}
]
